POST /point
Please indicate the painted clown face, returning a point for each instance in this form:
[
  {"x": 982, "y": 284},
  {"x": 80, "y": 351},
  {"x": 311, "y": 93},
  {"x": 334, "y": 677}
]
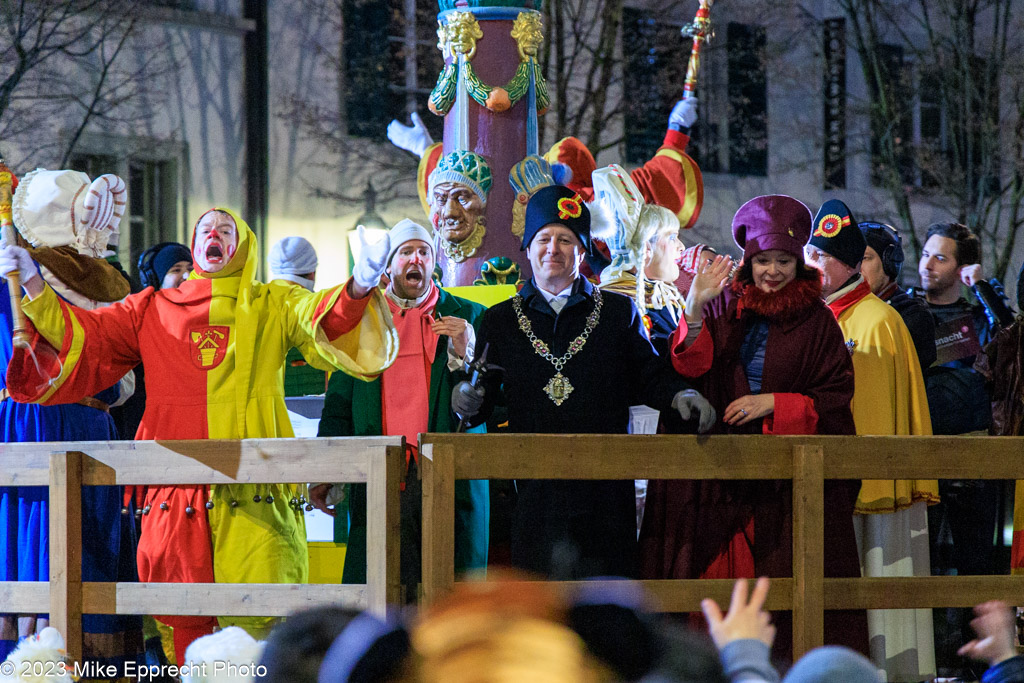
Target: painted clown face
[
  {"x": 412, "y": 266},
  {"x": 455, "y": 211},
  {"x": 215, "y": 242}
]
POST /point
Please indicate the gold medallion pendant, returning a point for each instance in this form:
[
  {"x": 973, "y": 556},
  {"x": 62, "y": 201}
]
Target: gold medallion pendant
[{"x": 558, "y": 388}]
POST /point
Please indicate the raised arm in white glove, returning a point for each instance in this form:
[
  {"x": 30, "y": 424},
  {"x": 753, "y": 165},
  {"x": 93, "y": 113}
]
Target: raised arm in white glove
[
  {"x": 467, "y": 399},
  {"x": 415, "y": 138},
  {"x": 684, "y": 115},
  {"x": 14, "y": 258},
  {"x": 688, "y": 401},
  {"x": 372, "y": 263}
]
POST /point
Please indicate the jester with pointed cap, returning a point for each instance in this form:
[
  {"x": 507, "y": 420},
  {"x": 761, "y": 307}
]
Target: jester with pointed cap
[
  {"x": 213, "y": 351},
  {"x": 64, "y": 221}
]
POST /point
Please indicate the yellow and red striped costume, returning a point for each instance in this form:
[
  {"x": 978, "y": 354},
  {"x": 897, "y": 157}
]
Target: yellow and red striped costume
[{"x": 214, "y": 353}]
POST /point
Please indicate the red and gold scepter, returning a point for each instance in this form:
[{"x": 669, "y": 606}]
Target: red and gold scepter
[
  {"x": 20, "y": 337},
  {"x": 700, "y": 31}
]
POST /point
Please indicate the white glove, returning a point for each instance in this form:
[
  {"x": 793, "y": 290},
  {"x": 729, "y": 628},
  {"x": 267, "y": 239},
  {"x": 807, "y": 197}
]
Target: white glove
[
  {"x": 687, "y": 401},
  {"x": 372, "y": 260},
  {"x": 17, "y": 258},
  {"x": 684, "y": 114},
  {"x": 467, "y": 399},
  {"x": 415, "y": 138}
]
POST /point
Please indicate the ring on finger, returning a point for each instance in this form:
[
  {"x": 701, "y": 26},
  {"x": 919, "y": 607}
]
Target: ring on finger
[{"x": 744, "y": 412}]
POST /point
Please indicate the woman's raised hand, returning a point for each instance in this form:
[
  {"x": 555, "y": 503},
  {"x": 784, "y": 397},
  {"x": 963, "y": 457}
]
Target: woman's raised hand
[{"x": 712, "y": 277}]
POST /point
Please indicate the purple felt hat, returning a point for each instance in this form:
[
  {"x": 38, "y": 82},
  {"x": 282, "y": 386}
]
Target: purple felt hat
[{"x": 773, "y": 221}]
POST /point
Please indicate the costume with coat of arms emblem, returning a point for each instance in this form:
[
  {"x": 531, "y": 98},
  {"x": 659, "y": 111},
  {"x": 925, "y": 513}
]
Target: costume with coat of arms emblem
[{"x": 214, "y": 353}]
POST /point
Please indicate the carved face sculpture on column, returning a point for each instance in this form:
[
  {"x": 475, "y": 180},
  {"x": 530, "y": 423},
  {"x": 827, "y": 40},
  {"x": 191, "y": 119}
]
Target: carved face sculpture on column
[{"x": 457, "y": 195}]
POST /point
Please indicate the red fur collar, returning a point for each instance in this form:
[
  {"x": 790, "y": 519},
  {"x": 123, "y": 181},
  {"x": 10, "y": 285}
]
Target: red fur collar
[{"x": 790, "y": 302}]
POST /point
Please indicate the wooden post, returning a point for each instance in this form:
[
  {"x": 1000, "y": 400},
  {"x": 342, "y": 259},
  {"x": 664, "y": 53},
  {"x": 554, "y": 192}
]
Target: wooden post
[
  {"x": 808, "y": 549},
  {"x": 66, "y": 549},
  {"x": 438, "y": 469},
  {"x": 383, "y": 583}
]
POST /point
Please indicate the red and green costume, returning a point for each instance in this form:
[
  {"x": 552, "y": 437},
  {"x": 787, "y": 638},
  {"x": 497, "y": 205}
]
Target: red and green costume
[{"x": 214, "y": 353}]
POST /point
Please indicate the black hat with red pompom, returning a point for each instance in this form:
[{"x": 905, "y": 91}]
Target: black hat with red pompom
[{"x": 562, "y": 206}]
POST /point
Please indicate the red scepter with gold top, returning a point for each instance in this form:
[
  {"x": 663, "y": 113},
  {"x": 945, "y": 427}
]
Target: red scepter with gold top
[
  {"x": 700, "y": 31},
  {"x": 20, "y": 336}
]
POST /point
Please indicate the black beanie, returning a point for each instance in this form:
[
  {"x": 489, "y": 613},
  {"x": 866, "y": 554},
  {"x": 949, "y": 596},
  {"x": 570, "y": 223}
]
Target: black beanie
[
  {"x": 887, "y": 243},
  {"x": 168, "y": 256},
  {"x": 158, "y": 259},
  {"x": 836, "y": 233}
]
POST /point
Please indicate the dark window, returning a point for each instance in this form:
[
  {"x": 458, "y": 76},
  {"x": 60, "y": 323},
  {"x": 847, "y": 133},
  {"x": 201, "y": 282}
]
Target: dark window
[
  {"x": 655, "y": 73},
  {"x": 93, "y": 165},
  {"x": 645, "y": 113},
  {"x": 835, "y": 103},
  {"x": 892, "y": 114},
  {"x": 392, "y": 63},
  {"x": 174, "y": 4},
  {"x": 151, "y": 214},
  {"x": 151, "y": 205},
  {"x": 748, "y": 100}
]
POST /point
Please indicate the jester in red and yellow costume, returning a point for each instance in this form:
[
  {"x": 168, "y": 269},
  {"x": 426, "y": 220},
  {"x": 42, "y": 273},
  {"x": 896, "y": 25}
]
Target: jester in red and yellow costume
[{"x": 214, "y": 353}]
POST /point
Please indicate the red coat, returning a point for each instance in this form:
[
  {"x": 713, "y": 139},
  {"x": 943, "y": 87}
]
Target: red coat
[{"x": 719, "y": 529}]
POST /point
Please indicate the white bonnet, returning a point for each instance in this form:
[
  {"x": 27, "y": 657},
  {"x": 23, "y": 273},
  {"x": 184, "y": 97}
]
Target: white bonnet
[{"x": 61, "y": 208}]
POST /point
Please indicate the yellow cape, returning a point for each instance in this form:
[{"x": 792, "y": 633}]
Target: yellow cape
[{"x": 889, "y": 396}]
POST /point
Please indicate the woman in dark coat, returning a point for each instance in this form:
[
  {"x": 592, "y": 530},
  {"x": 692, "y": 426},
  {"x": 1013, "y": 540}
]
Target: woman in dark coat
[{"x": 769, "y": 355}]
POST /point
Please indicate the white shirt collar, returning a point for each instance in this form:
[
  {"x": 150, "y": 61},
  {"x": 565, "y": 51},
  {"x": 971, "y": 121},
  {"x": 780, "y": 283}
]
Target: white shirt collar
[
  {"x": 407, "y": 303},
  {"x": 834, "y": 296},
  {"x": 549, "y": 297}
]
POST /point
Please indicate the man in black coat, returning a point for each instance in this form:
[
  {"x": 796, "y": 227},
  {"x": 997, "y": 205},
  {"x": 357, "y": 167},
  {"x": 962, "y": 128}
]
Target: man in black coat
[
  {"x": 571, "y": 359},
  {"x": 883, "y": 261},
  {"x": 963, "y": 525}
]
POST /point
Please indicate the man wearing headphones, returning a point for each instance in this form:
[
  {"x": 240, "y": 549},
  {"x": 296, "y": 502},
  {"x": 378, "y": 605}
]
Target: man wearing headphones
[
  {"x": 883, "y": 261},
  {"x": 165, "y": 265}
]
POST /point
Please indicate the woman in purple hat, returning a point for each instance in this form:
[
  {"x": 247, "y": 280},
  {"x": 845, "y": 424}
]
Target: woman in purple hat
[{"x": 769, "y": 356}]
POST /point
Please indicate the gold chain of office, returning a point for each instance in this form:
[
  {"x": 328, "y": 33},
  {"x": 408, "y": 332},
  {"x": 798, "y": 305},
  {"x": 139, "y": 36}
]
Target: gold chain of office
[{"x": 558, "y": 387}]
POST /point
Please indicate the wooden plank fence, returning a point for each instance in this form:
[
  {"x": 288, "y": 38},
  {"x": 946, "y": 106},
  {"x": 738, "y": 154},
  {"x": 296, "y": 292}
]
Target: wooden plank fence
[
  {"x": 806, "y": 460},
  {"x": 66, "y": 467}
]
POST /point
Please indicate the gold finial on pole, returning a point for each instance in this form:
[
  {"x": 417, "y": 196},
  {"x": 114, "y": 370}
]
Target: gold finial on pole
[
  {"x": 701, "y": 32},
  {"x": 20, "y": 335}
]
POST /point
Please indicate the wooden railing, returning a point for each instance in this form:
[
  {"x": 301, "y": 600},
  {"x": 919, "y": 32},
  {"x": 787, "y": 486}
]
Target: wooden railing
[
  {"x": 807, "y": 461},
  {"x": 378, "y": 461}
]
